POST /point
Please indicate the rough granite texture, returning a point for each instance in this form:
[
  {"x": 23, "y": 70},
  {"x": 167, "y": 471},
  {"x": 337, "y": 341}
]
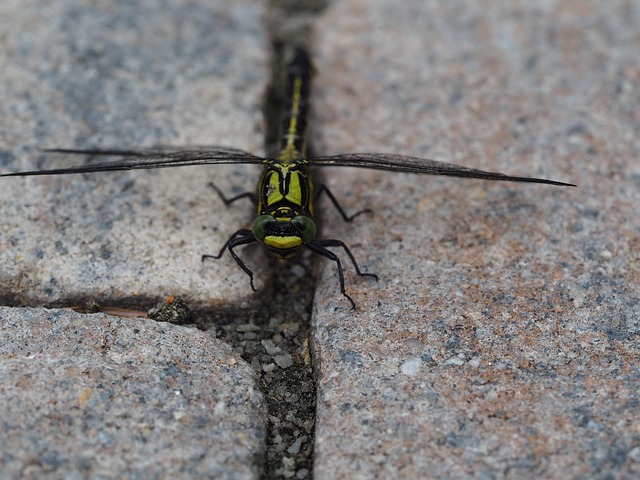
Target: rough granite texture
[
  {"x": 502, "y": 338},
  {"x": 93, "y": 396},
  {"x": 80, "y": 74}
]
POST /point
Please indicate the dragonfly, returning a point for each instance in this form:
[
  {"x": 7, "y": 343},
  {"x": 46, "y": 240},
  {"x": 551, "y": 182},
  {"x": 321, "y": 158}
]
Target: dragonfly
[{"x": 285, "y": 195}]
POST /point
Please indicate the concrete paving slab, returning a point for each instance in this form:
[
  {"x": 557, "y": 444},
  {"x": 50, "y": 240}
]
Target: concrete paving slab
[
  {"x": 127, "y": 74},
  {"x": 502, "y": 338},
  {"x": 93, "y": 396}
]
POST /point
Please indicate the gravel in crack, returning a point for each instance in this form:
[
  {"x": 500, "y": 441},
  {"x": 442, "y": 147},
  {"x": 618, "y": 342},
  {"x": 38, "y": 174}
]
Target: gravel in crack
[{"x": 275, "y": 341}]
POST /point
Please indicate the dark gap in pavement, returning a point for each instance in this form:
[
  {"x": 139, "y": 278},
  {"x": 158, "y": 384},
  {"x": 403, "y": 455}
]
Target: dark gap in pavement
[{"x": 275, "y": 339}]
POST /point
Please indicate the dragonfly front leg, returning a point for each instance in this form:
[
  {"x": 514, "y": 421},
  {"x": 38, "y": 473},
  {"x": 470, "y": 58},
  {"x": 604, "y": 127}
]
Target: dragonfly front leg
[
  {"x": 241, "y": 237},
  {"x": 322, "y": 188},
  {"x": 318, "y": 246}
]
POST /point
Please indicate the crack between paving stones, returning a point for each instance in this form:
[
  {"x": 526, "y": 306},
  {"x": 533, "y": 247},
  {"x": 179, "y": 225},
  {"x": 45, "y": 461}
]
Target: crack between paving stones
[{"x": 275, "y": 340}]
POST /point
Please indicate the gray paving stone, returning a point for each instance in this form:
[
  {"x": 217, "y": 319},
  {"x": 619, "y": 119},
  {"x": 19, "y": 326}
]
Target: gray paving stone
[
  {"x": 93, "y": 396},
  {"x": 502, "y": 338},
  {"x": 127, "y": 74}
]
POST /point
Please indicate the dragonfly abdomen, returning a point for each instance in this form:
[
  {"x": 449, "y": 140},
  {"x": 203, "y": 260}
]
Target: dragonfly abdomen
[{"x": 293, "y": 122}]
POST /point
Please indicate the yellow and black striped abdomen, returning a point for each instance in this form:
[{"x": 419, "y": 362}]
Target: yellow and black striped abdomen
[{"x": 293, "y": 123}]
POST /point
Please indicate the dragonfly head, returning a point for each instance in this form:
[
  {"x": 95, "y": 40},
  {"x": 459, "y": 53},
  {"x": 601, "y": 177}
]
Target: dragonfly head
[{"x": 284, "y": 236}]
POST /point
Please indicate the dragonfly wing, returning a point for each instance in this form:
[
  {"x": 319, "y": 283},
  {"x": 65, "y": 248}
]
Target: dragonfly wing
[
  {"x": 402, "y": 163},
  {"x": 147, "y": 158}
]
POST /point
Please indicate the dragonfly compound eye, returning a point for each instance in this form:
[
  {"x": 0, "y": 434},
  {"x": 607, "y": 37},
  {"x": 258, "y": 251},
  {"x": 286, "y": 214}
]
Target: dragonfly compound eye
[
  {"x": 261, "y": 226},
  {"x": 305, "y": 226}
]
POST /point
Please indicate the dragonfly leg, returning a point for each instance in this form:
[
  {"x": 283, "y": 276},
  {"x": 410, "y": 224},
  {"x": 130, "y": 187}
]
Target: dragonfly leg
[
  {"x": 229, "y": 201},
  {"x": 242, "y": 232},
  {"x": 318, "y": 246},
  {"x": 314, "y": 247},
  {"x": 322, "y": 188},
  {"x": 241, "y": 237},
  {"x": 340, "y": 243}
]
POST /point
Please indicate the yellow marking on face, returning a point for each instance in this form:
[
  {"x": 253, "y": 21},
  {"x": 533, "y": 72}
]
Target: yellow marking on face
[{"x": 282, "y": 242}]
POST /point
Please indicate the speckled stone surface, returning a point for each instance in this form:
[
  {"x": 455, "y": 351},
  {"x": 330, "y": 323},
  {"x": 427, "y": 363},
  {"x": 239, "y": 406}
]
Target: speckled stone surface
[
  {"x": 93, "y": 396},
  {"x": 127, "y": 74},
  {"x": 502, "y": 338}
]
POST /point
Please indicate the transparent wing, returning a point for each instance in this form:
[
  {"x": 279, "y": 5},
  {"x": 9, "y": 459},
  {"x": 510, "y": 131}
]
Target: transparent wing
[
  {"x": 147, "y": 158},
  {"x": 402, "y": 163},
  {"x": 168, "y": 157}
]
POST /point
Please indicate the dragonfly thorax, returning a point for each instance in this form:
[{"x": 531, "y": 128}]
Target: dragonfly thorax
[{"x": 285, "y": 194}]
